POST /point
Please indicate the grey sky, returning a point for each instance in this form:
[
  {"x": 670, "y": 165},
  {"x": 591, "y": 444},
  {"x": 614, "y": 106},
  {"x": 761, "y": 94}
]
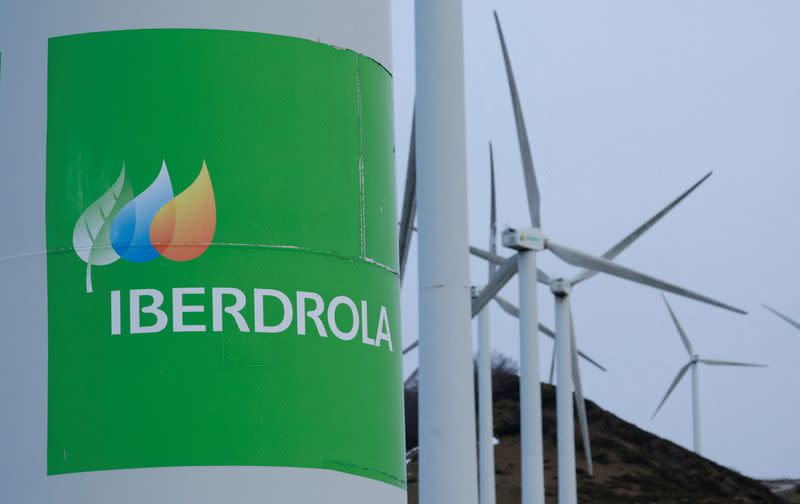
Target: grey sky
[{"x": 627, "y": 104}]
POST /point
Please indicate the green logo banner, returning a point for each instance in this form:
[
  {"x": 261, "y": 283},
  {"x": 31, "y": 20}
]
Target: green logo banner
[{"x": 222, "y": 285}]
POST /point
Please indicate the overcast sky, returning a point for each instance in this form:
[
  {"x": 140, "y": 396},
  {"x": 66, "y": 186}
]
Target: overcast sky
[{"x": 627, "y": 104}]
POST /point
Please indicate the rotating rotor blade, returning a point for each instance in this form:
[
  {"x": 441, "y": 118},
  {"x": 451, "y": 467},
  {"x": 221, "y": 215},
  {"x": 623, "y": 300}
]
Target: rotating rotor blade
[
  {"x": 531, "y": 186},
  {"x": 579, "y": 400},
  {"x": 410, "y": 347},
  {"x": 684, "y": 338},
  {"x": 625, "y": 242},
  {"x": 512, "y": 310},
  {"x": 553, "y": 363},
  {"x": 784, "y": 317},
  {"x": 493, "y": 207},
  {"x": 713, "y": 362},
  {"x": 496, "y": 282},
  {"x": 672, "y": 387},
  {"x": 582, "y": 259},
  {"x": 409, "y": 209},
  {"x": 541, "y": 276}
]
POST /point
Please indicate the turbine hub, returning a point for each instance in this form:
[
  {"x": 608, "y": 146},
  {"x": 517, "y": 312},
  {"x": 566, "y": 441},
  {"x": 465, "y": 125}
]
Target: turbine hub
[{"x": 560, "y": 287}]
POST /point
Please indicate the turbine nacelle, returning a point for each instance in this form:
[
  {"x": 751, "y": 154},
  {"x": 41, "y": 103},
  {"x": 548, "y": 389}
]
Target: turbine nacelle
[
  {"x": 524, "y": 239},
  {"x": 561, "y": 287}
]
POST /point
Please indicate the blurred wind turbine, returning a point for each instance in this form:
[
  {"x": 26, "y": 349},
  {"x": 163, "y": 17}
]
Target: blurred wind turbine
[
  {"x": 561, "y": 284},
  {"x": 786, "y": 318},
  {"x": 528, "y": 242},
  {"x": 694, "y": 360},
  {"x": 486, "y": 483}
]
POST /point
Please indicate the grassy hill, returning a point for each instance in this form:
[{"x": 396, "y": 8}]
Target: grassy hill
[{"x": 630, "y": 464}]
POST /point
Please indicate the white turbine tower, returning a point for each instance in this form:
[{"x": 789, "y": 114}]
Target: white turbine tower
[
  {"x": 486, "y": 480},
  {"x": 561, "y": 285},
  {"x": 694, "y": 360},
  {"x": 786, "y": 318},
  {"x": 528, "y": 242},
  {"x": 486, "y": 484}
]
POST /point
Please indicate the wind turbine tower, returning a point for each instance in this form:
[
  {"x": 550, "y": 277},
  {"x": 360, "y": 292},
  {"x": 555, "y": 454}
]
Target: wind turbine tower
[{"x": 694, "y": 360}]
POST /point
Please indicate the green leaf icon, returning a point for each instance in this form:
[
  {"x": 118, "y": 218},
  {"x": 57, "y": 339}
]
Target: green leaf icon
[{"x": 91, "y": 237}]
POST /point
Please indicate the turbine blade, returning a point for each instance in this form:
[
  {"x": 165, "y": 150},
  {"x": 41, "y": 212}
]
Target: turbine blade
[
  {"x": 684, "y": 338},
  {"x": 493, "y": 206},
  {"x": 497, "y": 281},
  {"x": 713, "y": 362},
  {"x": 410, "y": 347},
  {"x": 591, "y": 361},
  {"x": 579, "y": 399},
  {"x": 582, "y": 259},
  {"x": 625, "y": 242},
  {"x": 409, "y": 209},
  {"x": 489, "y": 256},
  {"x": 531, "y": 186},
  {"x": 784, "y": 317},
  {"x": 547, "y": 331},
  {"x": 512, "y": 310},
  {"x": 411, "y": 377},
  {"x": 553, "y": 362},
  {"x": 507, "y": 306},
  {"x": 541, "y": 276},
  {"x": 672, "y": 387}
]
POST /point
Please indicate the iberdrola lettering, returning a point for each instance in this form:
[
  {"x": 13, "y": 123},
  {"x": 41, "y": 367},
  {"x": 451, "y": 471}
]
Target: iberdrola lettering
[{"x": 266, "y": 311}]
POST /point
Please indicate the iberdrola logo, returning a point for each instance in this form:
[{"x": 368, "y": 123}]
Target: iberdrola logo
[{"x": 154, "y": 223}]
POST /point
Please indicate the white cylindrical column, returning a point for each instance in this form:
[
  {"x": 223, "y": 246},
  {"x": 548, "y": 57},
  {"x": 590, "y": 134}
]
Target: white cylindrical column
[
  {"x": 486, "y": 484},
  {"x": 229, "y": 124},
  {"x": 696, "y": 409},
  {"x": 448, "y": 458},
  {"x": 530, "y": 391},
  {"x": 567, "y": 485}
]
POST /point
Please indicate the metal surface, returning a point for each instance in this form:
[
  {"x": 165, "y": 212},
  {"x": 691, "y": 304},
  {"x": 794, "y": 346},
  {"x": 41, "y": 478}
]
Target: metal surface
[
  {"x": 28, "y": 30},
  {"x": 567, "y": 482},
  {"x": 448, "y": 458},
  {"x": 530, "y": 393},
  {"x": 697, "y": 443},
  {"x": 486, "y": 483}
]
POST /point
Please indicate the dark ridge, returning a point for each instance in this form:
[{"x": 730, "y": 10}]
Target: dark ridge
[{"x": 631, "y": 465}]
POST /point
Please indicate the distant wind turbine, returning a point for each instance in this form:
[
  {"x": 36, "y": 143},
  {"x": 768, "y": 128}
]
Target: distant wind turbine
[
  {"x": 694, "y": 360},
  {"x": 561, "y": 284},
  {"x": 528, "y": 242}
]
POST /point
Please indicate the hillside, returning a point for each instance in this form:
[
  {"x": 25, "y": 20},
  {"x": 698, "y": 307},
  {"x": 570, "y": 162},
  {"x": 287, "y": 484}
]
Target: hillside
[{"x": 631, "y": 465}]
